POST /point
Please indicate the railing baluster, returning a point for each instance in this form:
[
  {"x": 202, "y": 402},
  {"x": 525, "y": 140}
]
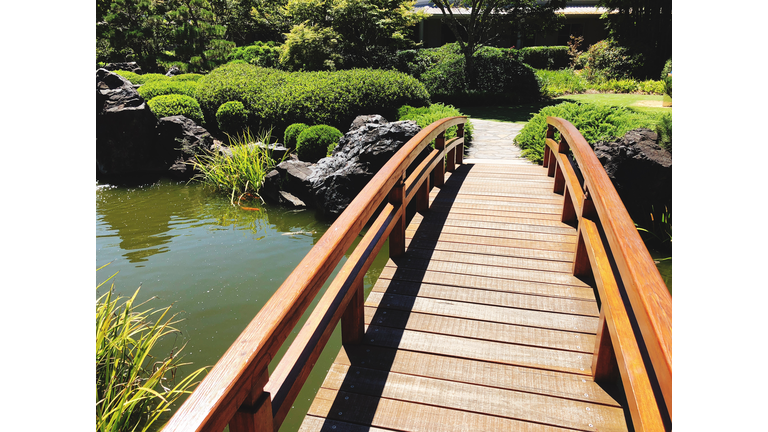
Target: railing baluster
[
  {"x": 353, "y": 321},
  {"x": 604, "y": 358},
  {"x": 255, "y": 414},
  {"x": 397, "y": 237},
  {"x": 439, "y": 172},
  {"x": 460, "y": 148}
]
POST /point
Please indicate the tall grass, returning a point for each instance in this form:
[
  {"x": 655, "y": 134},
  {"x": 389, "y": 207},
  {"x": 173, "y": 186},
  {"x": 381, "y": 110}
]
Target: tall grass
[
  {"x": 133, "y": 387},
  {"x": 242, "y": 170}
]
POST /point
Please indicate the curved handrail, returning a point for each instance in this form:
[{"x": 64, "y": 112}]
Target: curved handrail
[
  {"x": 234, "y": 391},
  {"x": 650, "y": 299}
]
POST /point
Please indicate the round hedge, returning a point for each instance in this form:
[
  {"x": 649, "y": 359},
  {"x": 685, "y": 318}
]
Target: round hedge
[
  {"x": 174, "y": 104},
  {"x": 292, "y": 133},
  {"x": 315, "y": 142},
  {"x": 232, "y": 117}
]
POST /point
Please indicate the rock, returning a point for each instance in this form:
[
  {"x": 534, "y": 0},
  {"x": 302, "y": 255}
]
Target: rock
[
  {"x": 286, "y": 198},
  {"x": 364, "y": 119},
  {"x": 641, "y": 172},
  {"x": 336, "y": 180},
  {"x": 288, "y": 176},
  {"x": 126, "y": 66},
  {"x": 277, "y": 150},
  {"x": 125, "y": 128},
  {"x": 178, "y": 140},
  {"x": 173, "y": 71}
]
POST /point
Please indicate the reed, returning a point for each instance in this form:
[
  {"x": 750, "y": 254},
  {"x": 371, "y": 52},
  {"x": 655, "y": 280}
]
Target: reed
[
  {"x": 133, "y": 387},
  {"x": 240, "y": 171}
]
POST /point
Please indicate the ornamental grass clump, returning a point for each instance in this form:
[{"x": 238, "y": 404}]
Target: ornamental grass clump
[
  {"x": 174, "y": 104},
  {"x": 240, "y": 170},
  {"x": 134, "y": 387}
]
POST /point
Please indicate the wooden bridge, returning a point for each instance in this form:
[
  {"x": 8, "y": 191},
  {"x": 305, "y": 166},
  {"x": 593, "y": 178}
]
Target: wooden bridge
[{"x": 516, "y": 298}]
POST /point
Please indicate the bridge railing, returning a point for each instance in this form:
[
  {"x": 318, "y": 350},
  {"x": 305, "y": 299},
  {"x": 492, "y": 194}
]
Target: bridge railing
[
  {"x": 635, "y": 331},
  {"x": 239, "y": 391}
]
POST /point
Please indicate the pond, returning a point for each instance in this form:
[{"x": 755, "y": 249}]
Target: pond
[{"x": 215, "y": 263}]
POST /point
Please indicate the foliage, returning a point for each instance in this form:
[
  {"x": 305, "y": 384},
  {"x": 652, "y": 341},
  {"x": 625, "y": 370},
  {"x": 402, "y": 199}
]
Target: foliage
[
  {"x": 425, "y": 116},
  {"x": 560, "y": 82},
  {"x": 666, "y": 70},
  {"x": 595, "y": 122},
  {"x": 197, "y": 34},
  {"x": 498, "y": 77},
  {"x": 232, "y": 117},
  {"x": 644, "y": 27},
  {"x": 130, "y": 30},
  {"x": 659, "y": 235},
  {"x": 545, "y": 57},
  {"x": 277, "y": 99},
  {"x": 241, "y": 169},
  {"x": 133, "y": 386},
  {"x": 664, "y": 130},
  {"x": 140, "y": 79},
  {"x": 607, "y": 60},
  {"x": 316, "y": 142},
  {"x": 343, "y": 34},
  {"x": 187, "y": 77},
  {"x": 487, "y": 21},
  {"x": 174, "y": 104},
  {"x": 156, "y": 88},
  {"x": 292, "y": 132},
  {"x": 264, "y": 54},
  {"x": 573, "y": 51},
  {"x": 668, "y": 86}
]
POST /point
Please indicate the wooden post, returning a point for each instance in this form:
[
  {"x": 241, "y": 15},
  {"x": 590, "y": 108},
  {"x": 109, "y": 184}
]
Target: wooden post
[
  {"x": 422, "y": 195},
  {"x": 460, "y": 148},
  {"x": 439, "y": 171},
  {"x": 559, "y": 178},
  {"x": 255, "y": 414},
  {"x": 604, "y": 358},
  {"x": 581, "y": 265},
  {"x": 352, "y": 320},
  {"x": 397, "y": 236}
]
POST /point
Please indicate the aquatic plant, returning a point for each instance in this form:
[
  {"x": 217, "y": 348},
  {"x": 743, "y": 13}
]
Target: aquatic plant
[
  {"x": 240, "y": 170},
  {"x": 133, "y": 387}
]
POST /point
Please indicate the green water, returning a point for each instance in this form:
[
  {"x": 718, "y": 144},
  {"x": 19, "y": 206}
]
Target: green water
[{"x": 215, "y": 263}]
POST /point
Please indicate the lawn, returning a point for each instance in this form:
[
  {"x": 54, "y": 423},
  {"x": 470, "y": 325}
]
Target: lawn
[{"x": 523, "y": 113}]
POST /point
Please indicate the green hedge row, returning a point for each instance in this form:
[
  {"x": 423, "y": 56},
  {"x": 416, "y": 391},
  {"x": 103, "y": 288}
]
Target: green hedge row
[
  {"x": 425, "y": 116},
  {"x": 173, "y": 104},
  {"x": 545, "y": 57},
  {"x": 497, "y": 76},
  {"x": 277, "y": 99}
]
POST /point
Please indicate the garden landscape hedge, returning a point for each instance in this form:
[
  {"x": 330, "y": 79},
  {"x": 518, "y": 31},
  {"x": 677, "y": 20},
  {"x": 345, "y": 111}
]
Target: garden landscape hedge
[{"x": 276, "y": 99}]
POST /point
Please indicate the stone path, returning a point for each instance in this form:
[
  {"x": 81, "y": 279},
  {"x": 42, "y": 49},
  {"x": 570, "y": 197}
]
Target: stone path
[{"x": 492, "y": 142}]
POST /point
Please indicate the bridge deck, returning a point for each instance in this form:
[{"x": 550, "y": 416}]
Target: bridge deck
[{"x": 480, "y": 325}]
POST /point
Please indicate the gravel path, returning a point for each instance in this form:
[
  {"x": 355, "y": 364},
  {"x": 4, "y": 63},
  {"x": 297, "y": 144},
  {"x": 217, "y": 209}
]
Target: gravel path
[{"x": 492, "y": 142}]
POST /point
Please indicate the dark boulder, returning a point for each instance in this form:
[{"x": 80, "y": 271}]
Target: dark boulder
[
  {"x": 178, "y": 140},
  {"x": 288, "y": 176},
  {"x": 125, "y": 128},
  {"x": 641, "y": 172},
  {"x": 365, "y": 119},
  {"x": 336, "y": 180},
  {"x": 126, "y": 66}
]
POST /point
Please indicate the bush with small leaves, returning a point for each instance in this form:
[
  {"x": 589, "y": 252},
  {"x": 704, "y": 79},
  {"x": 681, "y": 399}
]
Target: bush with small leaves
[
  {"x": 292, "y": 133},
  {"x": 664, "y": 130},
  {"x": 161, "y": 87},
  {"x": 315, "y": 142},
  {"x": 173, "y": 104},
  {"x": 232, "y": 117},
  {"x": 546, "y": 57}
]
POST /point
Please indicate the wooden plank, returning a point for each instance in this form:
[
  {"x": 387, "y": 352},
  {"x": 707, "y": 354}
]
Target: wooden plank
[
  {"x": 319, "y": 424},
  {"x": 461, "y": 215},
  {"x": 508, "y": 224},
  {"x": 498, "y": 251},
  {"x": 481, "y": 206},
  {"x": 405, "y": 416},
  {"x": 503, "y": 202},
  {"x": 558, "y": 384},
  {"x": 488, "y": 283},
  {"x": 504, "y": 315},
  {"x": 491, "y": 237},
  {"x": 459, "y": 207},
  {"x": 490, "y": 298},
  {"x": 482, "y": 330},
  {"x": 490, "y": 260},
  {"x": 495, "y": 272},
  {"x": 470, "y": 397}
]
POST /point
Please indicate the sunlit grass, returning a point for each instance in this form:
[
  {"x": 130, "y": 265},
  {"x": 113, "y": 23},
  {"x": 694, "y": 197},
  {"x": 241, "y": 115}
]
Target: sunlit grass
[{"x": 133, "y": 387}]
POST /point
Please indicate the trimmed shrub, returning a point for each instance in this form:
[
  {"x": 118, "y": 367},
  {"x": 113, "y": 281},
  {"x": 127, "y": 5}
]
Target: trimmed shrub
[
  {"x": 187, "y": 77},
  {"x": 666, "y": 70},
  {"x": 608, "y": 60},
  {"x": 277, "y": 99},
  {"x": 497, "y": 76},
  {"x": 425, "y": 116},
  {"x": 156, "y": 88},
  {"x": 668, "y": 86},
  {"x": 651, "y": 87},
  {"x": 133, "y": 77},
  {"x": 292, "y": 132},
  {"x": 174, "y": 104},
  {"x": 315, "y": 142},
  {"x": 595, "y": 122},
  {"x": 546, "y": 57},
  {"x": 232, "y": 117},
  {"x": 145, "y": 78}
]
